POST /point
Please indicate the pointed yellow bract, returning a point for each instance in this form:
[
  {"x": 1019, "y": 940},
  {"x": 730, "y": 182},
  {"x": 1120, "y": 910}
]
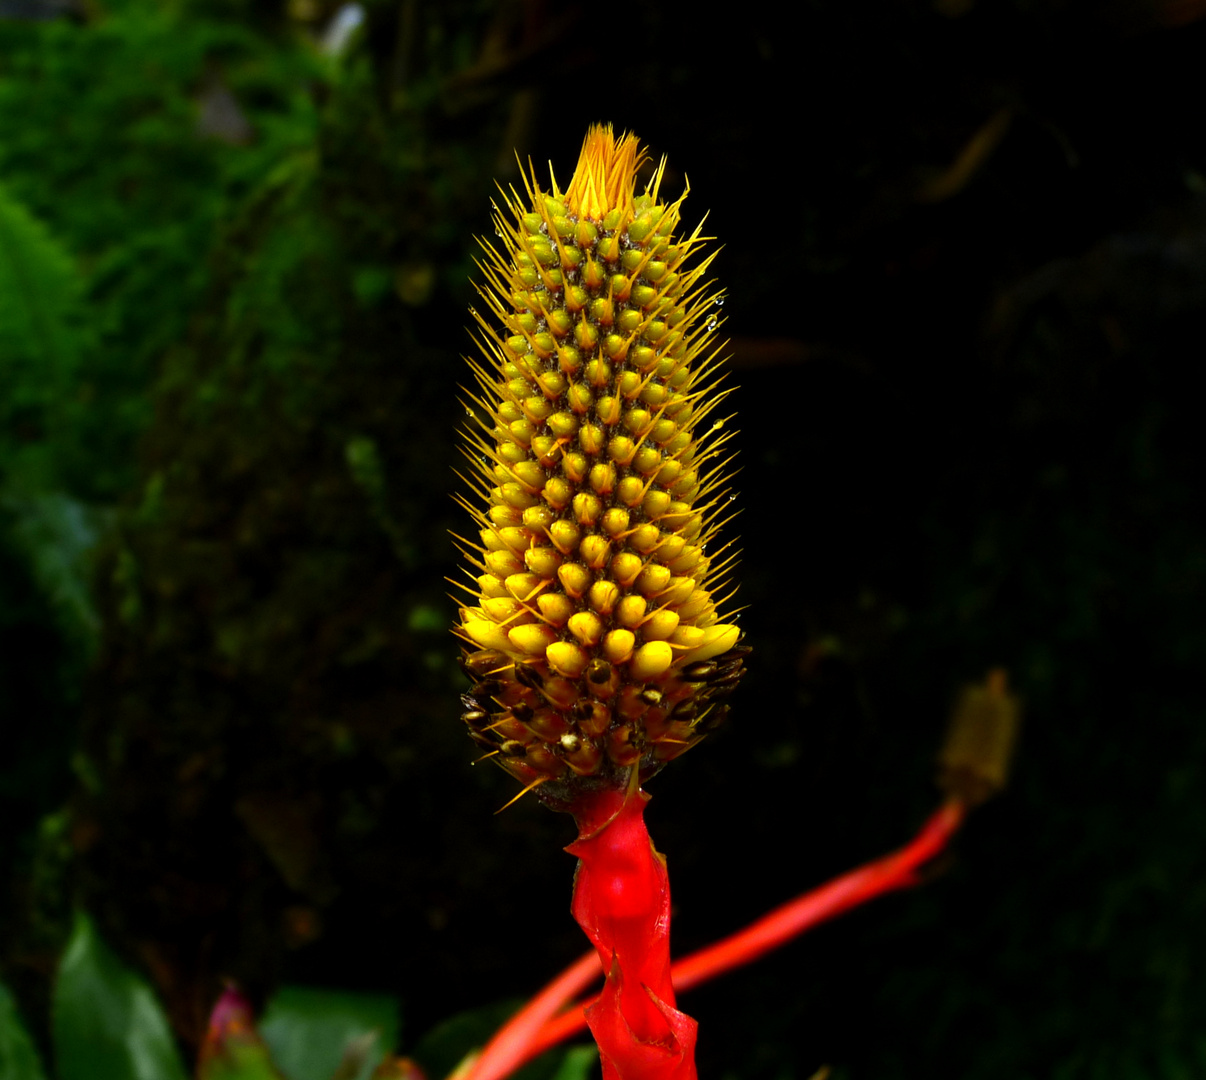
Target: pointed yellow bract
[
  {"x": 598, "y": 474},
  {"x": 605, "y": 177}
]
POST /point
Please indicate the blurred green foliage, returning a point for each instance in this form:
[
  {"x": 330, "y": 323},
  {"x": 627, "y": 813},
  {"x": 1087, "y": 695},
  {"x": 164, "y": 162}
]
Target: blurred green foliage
[
  {"x": 18, "y": 1055},
  {"x": 109, "y": 203},
  {"x": 103, "y": 155},
  {"x": 45, "y": 337},
  {"x": 109, "y": 1026},
  {"x": 308, "y": 1031}
]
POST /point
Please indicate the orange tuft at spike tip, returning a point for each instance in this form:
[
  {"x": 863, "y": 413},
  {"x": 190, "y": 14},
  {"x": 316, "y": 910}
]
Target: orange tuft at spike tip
[
  {"x": 598, "y": 469},
  {"x": 603, "y": 180}
]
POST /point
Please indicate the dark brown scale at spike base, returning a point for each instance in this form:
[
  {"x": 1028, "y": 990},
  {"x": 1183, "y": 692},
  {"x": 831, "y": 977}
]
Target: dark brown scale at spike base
[
  {"x": 529, "y": 676},
  {"x": 599, "y": 672},
  {"x": 685, "y": 710},
  {"x": 487, "y": 689},
  {"x": 727, "y": 684},
  {"x": 699, "y": 672},
  {"x": 475, "y": 717},
  {"x": 479, "y": 664},
  {"x": 595, "y": 636}
]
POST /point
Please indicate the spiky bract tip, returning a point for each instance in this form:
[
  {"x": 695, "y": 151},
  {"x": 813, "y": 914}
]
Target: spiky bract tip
[{"x": 598, "y": 468}]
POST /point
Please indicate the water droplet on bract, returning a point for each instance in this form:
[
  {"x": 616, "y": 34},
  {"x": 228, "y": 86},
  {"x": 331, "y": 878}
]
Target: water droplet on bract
[
  {"x": 719, "y": 301},
  {"x": 718, "y": 425},
  {"x": 498, "y": 231},
  {"x": 712, "y": 324},
  {"x": 732, "y": 498},
  {"x": 473, "y": 312}
]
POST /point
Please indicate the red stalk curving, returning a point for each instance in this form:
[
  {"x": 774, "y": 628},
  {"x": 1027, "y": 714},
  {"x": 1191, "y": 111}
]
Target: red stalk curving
[{"x": 536, "y": 1028}]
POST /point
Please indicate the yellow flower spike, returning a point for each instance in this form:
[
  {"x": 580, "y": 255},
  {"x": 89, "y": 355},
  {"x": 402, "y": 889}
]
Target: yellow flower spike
[{"x": 597, "y": 479}]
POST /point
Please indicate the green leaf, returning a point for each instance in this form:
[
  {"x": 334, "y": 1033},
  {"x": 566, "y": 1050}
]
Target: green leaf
[
  {"x": 18, "y": 1056},
  {"x": 242, "y": 1060},
  {"x": 43, "y": 338},
  {"x": 324, "y": 1034},
  {"x": 40, "y": 289},
  {"x": 107, "y": 1024}
]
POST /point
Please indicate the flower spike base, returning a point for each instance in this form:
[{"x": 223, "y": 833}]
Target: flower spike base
[{"x": 622, "y": 902}]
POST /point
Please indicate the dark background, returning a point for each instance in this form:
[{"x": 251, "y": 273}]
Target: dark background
[{"x": 964, "y": 246}]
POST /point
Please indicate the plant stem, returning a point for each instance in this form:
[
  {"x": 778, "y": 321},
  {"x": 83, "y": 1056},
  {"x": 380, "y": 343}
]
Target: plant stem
[
  {"x": 895, "y": 871},
  {"x": 622, "y": 902},
  {"x": 527, "y": 1035}
]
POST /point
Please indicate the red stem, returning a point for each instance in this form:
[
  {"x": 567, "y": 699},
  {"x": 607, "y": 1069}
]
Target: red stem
[
  {"x": 895, "y": 871},
  {"x": 622, "y": 902}
]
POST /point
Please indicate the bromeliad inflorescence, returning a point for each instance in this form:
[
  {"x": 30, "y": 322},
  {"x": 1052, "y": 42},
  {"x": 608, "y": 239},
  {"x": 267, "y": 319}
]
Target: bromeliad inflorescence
[
  {"x": 593, "y": 638},
  {"x": 593, "y": 641}
]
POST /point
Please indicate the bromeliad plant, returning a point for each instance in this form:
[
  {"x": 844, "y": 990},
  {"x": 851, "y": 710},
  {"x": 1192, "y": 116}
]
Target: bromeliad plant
[
  {"x": 594, "y": 638},
  {"x": 596, "y": 649}
]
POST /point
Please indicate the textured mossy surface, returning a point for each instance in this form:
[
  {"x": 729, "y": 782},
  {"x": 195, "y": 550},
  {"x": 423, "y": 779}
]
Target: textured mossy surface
[{"x": 964, "y": 251}]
